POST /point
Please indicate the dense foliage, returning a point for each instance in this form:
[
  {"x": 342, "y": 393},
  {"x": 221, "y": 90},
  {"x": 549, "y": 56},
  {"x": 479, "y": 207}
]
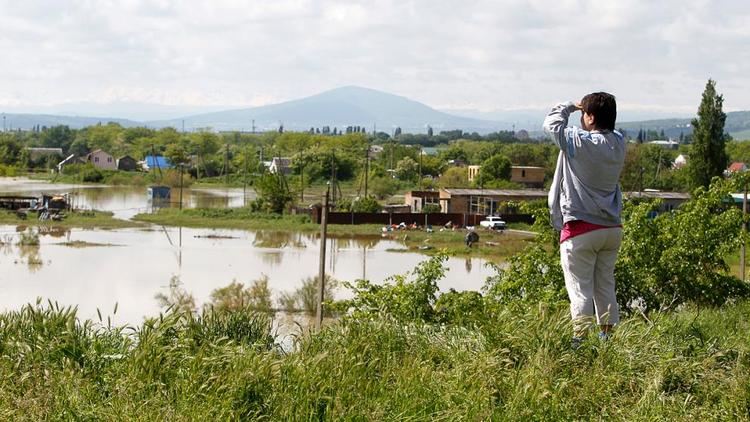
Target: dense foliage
[{"x": 708, "y": 158}]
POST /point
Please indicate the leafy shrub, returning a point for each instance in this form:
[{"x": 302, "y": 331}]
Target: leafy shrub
[
  {"x": 402, "y": 298},
  {"x": 431, "y": 209},
  {"x": 680, "y": 257},
  {"x": 368, "y": 204},
  {"x": 236, "y": 296},
  {"x": 91, "y": 174},
  {"x": 29, "y": 238},
  {"x": 305, "y": 297},
  {"x": 383, "y": 187}
]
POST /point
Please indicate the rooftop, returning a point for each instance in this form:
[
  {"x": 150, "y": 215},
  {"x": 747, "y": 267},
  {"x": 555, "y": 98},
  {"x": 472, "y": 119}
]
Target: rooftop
[{"x": 531, "y": 193}]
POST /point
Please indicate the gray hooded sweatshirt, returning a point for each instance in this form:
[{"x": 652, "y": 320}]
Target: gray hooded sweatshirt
[{"x": 585, "y": 186}]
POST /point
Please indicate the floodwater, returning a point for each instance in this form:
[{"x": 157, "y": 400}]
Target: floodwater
[
  {"x": 136, "y": 264},
  {"x": 126, "y": 201},
  {"x": 129, "y": 267}
]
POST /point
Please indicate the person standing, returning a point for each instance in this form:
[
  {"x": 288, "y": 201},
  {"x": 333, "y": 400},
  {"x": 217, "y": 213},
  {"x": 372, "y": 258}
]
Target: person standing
[{"x": 585, "y": 204}]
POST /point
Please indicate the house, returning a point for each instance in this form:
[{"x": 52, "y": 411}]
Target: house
[
  {"x": 280, "y": 165},
  {"x": 71, "y": 159},
  {"x": 101, "y": 160},
  {"x": 735, "y": 167},
  {"x": 679, "y": 162},
  {"x": 375, "y": 150},
  {"x": 152, "y": 162},
  {"x": 473, "y": 172},
  {"x": 669, "y": 200},
  {"x": 430, "y": 151},
  {"x": 127, "y": 163},
  {"x": 522, "y": 135},
  {"x": 485, "y": 201},
  {"x": 666, "y": 144},
  {"x": 417, "y": 199},
  {"x": 37, "y": 153},
  {"x": 458, "y": 162},
  {"x": 531, "y": 177}
]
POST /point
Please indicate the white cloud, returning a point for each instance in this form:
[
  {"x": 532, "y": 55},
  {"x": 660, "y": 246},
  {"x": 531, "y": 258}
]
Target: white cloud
[{"x": 483, "y": 54}]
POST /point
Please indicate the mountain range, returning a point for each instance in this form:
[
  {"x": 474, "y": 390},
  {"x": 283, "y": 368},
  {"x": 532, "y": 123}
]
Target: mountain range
[{"x": 347, "y": 106}]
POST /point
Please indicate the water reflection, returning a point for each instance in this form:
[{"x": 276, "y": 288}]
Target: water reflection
[
  {"x": 146, "y": 259},
  {"x": 126, "y": 201}
]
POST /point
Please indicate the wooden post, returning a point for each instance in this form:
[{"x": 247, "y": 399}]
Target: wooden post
[
  {"x": 181, "y": 172},
  {"x": 322, "y": 263},
  {"x": 744, "y": 230}
]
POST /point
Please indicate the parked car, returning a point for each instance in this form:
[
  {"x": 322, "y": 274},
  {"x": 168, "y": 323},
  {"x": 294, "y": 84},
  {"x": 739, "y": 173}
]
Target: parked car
[{"x": 495, "y": 223}]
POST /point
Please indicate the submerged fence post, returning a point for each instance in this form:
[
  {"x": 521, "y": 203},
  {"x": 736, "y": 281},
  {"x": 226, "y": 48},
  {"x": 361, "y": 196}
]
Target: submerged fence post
[{"x": 322, "y": 264}]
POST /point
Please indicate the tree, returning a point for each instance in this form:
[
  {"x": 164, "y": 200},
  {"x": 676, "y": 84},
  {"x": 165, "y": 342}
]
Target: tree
[
  {"x": 274, "y": 192},
  {"x": 494, "y": 169},
  {"x": 708, "y": 157},
  {"x": 406, "y": 168},
  {"x": 429, "y": 131},
  {"x": 455, "y": 177},
  {"x": 177, "y": 155}
]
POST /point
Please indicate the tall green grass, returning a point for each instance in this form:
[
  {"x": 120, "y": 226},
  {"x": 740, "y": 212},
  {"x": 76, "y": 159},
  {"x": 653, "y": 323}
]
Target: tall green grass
[{"x": 690, "y": 364}]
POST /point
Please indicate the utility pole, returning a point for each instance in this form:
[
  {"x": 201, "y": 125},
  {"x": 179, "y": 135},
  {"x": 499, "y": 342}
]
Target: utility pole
[
  {"x": 322, "y": 263},
  {"x": 181, "y": 173},
  {"x": 226, "y": 163},
  {"x": 744, "y": 230},
  {"x": 367, "y": 167},
  {"x": 244, "y": 178},
  {"x": 420, "y": 168}
]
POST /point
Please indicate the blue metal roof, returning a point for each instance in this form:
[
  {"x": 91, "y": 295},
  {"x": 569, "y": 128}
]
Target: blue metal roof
[{"x": 158, "y": 161}]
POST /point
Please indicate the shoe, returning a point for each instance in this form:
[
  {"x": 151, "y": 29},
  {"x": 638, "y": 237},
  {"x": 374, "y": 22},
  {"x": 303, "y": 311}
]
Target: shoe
[
  {"x": 603, "y": 336},
  {"x": 576, "y": 343}
]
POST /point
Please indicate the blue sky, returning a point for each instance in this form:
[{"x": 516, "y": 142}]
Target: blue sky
[{"x": 448, "y": 54}]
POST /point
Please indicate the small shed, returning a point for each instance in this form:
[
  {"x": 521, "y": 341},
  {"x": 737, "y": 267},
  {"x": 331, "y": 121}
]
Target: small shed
[
  {"x": 127, "y": 163},
  {"x": 159, "y": 192}
]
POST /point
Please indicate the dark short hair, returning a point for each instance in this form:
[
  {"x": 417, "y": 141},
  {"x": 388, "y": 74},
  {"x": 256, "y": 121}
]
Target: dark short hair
[{"x": 603, "y": 107}]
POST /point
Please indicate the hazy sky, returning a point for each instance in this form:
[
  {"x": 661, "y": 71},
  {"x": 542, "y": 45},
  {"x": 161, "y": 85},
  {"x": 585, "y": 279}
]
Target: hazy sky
[{"x": 448, "y": 54}]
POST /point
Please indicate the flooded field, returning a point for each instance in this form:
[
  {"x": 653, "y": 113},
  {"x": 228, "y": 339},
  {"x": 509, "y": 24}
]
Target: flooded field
[
  {"x": 129, "y": 267},
  {"x": 98, "y": 268},
  {"x": 126, "y": 201}
]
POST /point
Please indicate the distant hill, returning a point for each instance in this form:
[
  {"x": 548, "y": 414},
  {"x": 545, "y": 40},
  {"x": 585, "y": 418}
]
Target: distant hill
[
  {"x": 737, "y": 124},
  {"x": 28, "y": 121},
  {"x": 341, "y": 107}
]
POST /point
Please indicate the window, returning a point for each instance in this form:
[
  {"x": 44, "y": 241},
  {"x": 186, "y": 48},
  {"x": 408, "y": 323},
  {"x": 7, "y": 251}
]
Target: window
[
  {"x": 523, "y": 173},
  {"x": 109, "y": 159},
  {"x": 96, "y": 159}
]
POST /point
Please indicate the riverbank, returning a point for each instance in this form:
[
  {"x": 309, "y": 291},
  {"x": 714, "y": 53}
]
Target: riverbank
[
  {"x": 492, "y": 244},
  {"x": 79, "y": 219},
  {"x": 686, "y": 365}
]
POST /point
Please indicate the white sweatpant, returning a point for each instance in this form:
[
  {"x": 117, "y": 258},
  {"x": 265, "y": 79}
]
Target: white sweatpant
[{"x": 588, "y": 263}]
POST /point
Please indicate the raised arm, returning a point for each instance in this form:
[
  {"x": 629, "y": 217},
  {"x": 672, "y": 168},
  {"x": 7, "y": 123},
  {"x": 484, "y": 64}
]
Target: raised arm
[{"x": 556, "y": 122}]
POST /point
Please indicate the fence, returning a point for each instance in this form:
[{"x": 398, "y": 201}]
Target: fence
[{"x": 421, "y": 219}]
